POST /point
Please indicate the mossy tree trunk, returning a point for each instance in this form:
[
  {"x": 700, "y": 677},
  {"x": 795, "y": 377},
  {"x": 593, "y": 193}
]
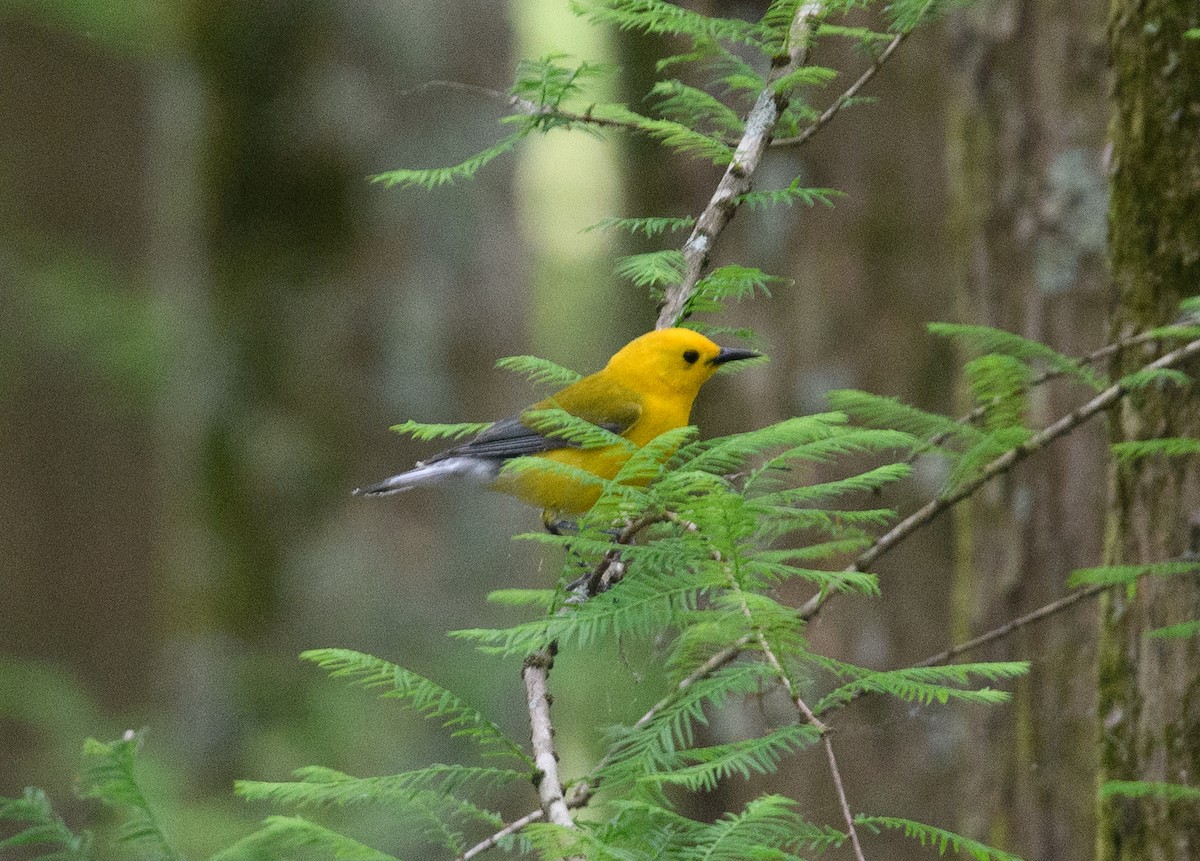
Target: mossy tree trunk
[
  {"x": 1026, "y": 132},
  {"x": 1149, "y": 710}
]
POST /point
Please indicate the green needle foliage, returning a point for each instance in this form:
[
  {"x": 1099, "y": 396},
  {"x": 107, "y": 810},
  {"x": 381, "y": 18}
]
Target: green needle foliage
[
  {"x": 108, "y": 776},
  {"x": 684, "y": 553},
  {"x": 43, "y": 831},
  {"x": 936, "y": 838}
]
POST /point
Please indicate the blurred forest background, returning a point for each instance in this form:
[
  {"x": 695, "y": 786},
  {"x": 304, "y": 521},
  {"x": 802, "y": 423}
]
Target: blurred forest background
[{"x": 211, "y": 318}]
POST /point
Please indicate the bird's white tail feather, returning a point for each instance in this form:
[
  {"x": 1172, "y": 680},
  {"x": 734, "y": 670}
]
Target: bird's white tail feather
[{"x": 475, "y": 468}]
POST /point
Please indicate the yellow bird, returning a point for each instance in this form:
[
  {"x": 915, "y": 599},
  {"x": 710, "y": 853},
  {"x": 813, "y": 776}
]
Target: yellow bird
[{"x": 647, "y": 388}]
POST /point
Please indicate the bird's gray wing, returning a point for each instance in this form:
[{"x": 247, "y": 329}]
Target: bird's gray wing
[{"x": 510, "y": 438}]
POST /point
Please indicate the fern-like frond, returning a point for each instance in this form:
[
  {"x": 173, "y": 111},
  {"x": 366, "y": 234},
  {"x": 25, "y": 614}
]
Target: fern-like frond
[
  {"x": 795, "y": 193},
  {"x": 730, "y": 283},
  {"x": 998, "y": 383},
  {"x": 1112, "y": 575},
  {"x": 647, "y": 462},
  {"x": 1149, "y": 789},
  {"x": 767, "y": 822},
  {"x": 864, "y": 36},
  {"x": 868, "y": 481},
  {"x": 936, "y": 838},
  {"x": 1132, "y": 450},
  {"x": 680, "y": 137},
  {"x": 699, "y": 769},
  {"x": 927, "y": 685},
  {"x": 539, "y": 371},
  {"x": 431, "y": 178},
  {"x": 638, "y": 606},
  {"x": 425, "y": 432},
  {"x": 734, "y": 73},
  {"x": 42, "y": 826},
  {"x": 546, "y": 82},
  {"x": 775, "y": 566},
  {"x": 648, "y": 227},
  {"x": 659, "y": 17},
  {"x": 983, "y": 451},
  {"x": 845, "y": 442},
  {"x": 543, "y": 598},
  {"x": 768, "y": 829},
  {"x": 880, "y": 412},
  {"x": 1182, "y": 331},
  {"x": 906, "y": 15},
  {"x": 654, "y": 269},
  {"x": 776, "y": 23},
  {"x": 557, "y": 423},
  {"x": 1182, "y": 630},
  {"x": 686, "y": 104},
  {"x": 804, "y": 76},
  {"x": 729, "y": 454},
  {"x": 637, "y": 751},
  {"x": 774, "y": 522},
  {"x": 424, "y": 696},
  {"x": 280, "y": 837},
  {"x": 985, "y": 339},
  {"x": 1154, "y": 377},
  {"x": 317, "y": 786},
  {"x": 108, "y": 776}
]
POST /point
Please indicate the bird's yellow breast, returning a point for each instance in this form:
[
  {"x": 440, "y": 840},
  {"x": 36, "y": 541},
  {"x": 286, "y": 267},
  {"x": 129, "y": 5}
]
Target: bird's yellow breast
[{"x": 564, "y": 494}]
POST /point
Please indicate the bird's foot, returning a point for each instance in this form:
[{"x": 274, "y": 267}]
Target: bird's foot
[{"x": 556, "y": 526}]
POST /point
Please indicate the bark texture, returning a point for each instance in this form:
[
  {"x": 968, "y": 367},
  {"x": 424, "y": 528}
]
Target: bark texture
[{"x": 1149, "y": 709}]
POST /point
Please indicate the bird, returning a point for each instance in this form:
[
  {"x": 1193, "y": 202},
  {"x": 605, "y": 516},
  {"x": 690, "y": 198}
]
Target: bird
[{"x": 645, "y": 389}]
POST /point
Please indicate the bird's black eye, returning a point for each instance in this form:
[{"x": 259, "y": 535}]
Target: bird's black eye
[{"x": 691, "y": 356}]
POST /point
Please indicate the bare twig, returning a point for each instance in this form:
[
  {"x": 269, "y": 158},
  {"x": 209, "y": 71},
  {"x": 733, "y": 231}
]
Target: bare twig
[
  {"x": 823, "y": 728},
  {"x": 760, "y": 125},
  {"x": 525, "y": 106},
  {"x": 844, "y": 99},
  {"x": 809, "y": 717},
  {"x": 1002, "y": 464},
  {"x": 536, "y": 673},
  {"x": 512, "y": 828},
  {"x": 1012, "y": 625}
]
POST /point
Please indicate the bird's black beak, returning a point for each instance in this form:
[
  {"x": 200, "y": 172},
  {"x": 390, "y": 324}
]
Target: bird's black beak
[{"x": 730, "y": 355}]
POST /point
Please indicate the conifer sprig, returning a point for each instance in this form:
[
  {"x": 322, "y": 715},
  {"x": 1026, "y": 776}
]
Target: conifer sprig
[
  {"x": 109, "y": 777},
  {"x": 423, "y": 696},
  {"x": 42, "y": 827},
  {"x": 936, "y": 838}
]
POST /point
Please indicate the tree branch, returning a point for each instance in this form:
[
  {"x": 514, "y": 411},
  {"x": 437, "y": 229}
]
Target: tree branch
[
  {"x": 1012, "y": 625},
  {"x": 809, "y": 717},
  {"x": 851, "y": 91},
  {"x": 826, "y": 741},
  {"x": 512, "y": 828},
  {"x": 924, "y": 515},
  {"x": 525, "y": 106},
  {"x": 536, "y": 673},
  {"x": 760, "y": 125},
  {"x": 1053, "y": 374}
]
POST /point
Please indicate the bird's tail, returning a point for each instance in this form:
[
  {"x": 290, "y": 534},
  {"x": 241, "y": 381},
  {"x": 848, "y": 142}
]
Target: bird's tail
[{"x": 476, "y": 468}]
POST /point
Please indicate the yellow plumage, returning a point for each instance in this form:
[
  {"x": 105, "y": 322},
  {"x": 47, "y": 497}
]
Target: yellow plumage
[{"x": 646, "y": 389}]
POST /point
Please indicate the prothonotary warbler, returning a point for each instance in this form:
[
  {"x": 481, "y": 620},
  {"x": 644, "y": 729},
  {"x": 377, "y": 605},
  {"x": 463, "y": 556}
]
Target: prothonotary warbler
[{"x": 646, "y": 389}]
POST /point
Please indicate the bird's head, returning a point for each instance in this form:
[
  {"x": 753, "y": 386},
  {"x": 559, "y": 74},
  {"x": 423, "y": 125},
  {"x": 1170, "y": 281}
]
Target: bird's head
[{"x": 674, "y": 361}]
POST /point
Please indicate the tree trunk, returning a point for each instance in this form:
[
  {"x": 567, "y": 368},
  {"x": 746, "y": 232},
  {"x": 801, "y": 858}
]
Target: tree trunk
[{"x": 1149, "y": 713}]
